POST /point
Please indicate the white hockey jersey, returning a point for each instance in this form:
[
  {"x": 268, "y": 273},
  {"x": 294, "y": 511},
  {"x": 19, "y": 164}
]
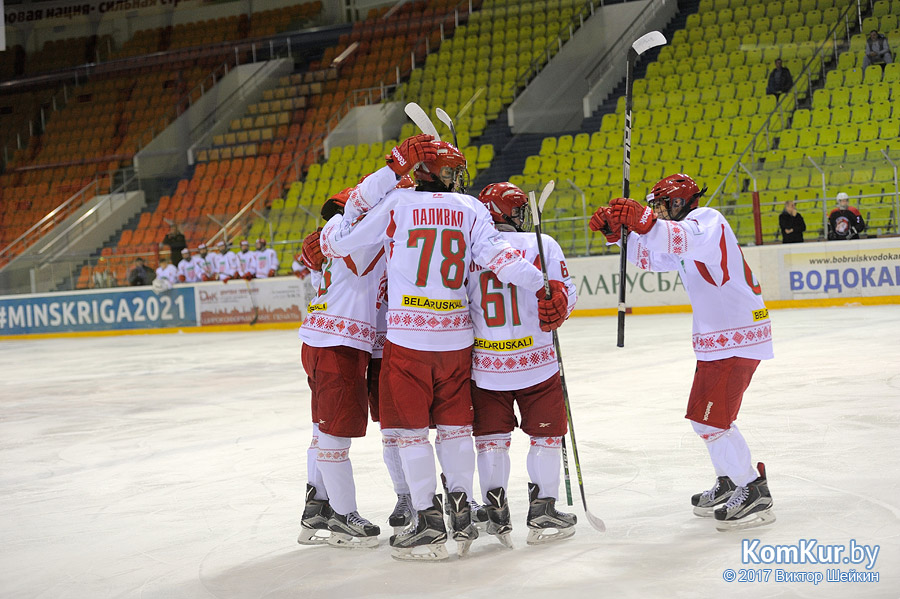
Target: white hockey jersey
[
  {"x": 246, "y": 262},
  {"x": 430, "y": 241},
  {"x": 730, "y": 318},
  {"x": 345, "y": 308},
  {"x": 189, "y": 269},
  {"x": 169, "y": 273},
  {"x": 266, "y": 260},
  {"x": 206, "y": 266},
  {"x": 511, "y": 351},
  {"x": 226, "y": 265}
]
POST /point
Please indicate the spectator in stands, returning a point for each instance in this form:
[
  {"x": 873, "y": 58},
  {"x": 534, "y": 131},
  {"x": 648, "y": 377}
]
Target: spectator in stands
[
  {"x": 845, "y": 221},
  {"x": 101, "y": 277},
  {"x": 140, "y": 274},
  {"x": 791, "y": 223},
  {"x": 877, "y": 50},
  {"x": 780, "y": 80},
  {"x": 175, "y": 240}
]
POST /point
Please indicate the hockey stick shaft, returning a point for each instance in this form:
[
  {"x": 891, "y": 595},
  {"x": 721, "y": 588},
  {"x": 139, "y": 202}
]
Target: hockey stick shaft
[
  {"x": 626, "y": 190},
  {"x": 252, "y": 303},
  {"x": 595, "y": 522}
]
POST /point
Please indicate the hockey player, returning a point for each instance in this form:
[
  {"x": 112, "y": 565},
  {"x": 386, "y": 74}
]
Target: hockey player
[
  {"x": 432, "y": 235},
  {"x": 226, "y": 263},
  {"x": 246, "y": 261},
  {"x": 732, "y": 331},
  {"x": 188, "y": 269},
  {"x": 339, "y": 335},
  {"x": 266, "y": 260},
  {"x": 514, "y": 362},
  {"x": 166, "y": 275},
  {"x": 205, "y": 263}
]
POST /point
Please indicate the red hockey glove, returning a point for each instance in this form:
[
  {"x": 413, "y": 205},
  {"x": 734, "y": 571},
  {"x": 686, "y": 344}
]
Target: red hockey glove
[
  {"x": 635, "y": 217},
  {"x": 226, "y": 279},
  {"x": 272, "y": 272},
  {"x": 554, "y": 311},
  {"x": 311, "y": 253},
  {"x": 204, "y": 277},
  {"x": 248, "y": 276},
  {"x": 600, "y": 222},
  {"x": 410, "y": 152},
  {"x": 181, "y": 279}
]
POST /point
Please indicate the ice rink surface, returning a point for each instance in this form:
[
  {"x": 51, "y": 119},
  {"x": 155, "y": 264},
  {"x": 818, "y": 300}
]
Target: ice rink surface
[{"x": 173, "y": 466}]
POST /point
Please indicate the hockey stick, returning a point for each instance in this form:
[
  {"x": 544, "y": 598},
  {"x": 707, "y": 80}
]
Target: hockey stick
[
  {"x": 594, "y": 521},
  {"x": 445, "y": 118},
  {"x": 641, "y": 45},
  {"x": 418, "y": 116},
  {"x": 252, "y": 303},
  {"x": 545, "y": 193}
]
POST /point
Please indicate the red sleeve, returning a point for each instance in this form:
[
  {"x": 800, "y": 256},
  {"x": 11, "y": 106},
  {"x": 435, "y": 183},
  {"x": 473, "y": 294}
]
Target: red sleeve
[{"x": 853, "y": 210}]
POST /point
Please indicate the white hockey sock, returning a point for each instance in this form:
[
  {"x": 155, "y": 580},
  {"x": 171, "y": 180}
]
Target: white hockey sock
[
  {"x": 333, "y": 461},
  {"x": 456, "y": 454},
  {"x": 493, "y": 462},
  {"x": 418, "y": 463},
  {"x": 543, "y": 464},
  {"x": 391, "y": 454},
  {"x": 313, "y": 476},
  {"x": 729, "y": 452}
]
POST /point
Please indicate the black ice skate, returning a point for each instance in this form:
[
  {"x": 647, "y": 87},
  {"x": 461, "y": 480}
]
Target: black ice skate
[
  {"x": 748, "y": 507},
  {"x": 497, "y": 513},
  {"x": 352, "y": 531},
  {"x": 461, "y": 526},
  {"x": 545, "y": 524},
  {"x": 705, "y": 503},
  {"x": 424, "y": 538},
  {"x": 402, "y": 515},
  {"x": 314, "y": 522}
]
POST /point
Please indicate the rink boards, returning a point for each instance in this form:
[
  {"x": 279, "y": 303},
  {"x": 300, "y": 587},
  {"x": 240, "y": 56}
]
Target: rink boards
[{"x": 796, "y": 275}]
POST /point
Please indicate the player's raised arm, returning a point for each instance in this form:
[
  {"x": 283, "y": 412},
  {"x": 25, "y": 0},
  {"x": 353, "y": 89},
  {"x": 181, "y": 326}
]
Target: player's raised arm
[{"x": 490, "y": 249}]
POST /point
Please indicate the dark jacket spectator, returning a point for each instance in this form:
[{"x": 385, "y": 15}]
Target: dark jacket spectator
[
  {"x": 791, "y": 223},
  {"x": 845, "y": 221},
  {"x": 140, "y": 274},
  {"x": 175, "y": 241},
  {"x": 780, "y": 80},
  {"x": 877, "y": 50}
]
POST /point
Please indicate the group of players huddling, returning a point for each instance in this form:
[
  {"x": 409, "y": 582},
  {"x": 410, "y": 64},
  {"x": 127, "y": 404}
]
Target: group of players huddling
[{"x": 431, "y": 311}]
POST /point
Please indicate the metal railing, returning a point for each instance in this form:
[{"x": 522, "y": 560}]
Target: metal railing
[
  {"x": 235, "y": 226},
  {"x": 48, "y": 222},
  {"x": 829, "y": 43}
]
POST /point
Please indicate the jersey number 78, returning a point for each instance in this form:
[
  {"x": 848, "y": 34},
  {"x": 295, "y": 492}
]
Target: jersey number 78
[{"x": 453, "y": 250}]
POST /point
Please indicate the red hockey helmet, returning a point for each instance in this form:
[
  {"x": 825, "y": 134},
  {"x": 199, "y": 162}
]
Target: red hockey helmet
[
  {"x": 507, "y": 204},
  {"x": 673, "y": 197},
  {"x": 448, "y": 169},
  {"x": 335, "y": 204}
]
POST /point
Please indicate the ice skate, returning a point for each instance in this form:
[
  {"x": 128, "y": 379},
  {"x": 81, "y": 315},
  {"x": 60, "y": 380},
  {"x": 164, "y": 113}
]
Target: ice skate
[
  {"x": 479, "y": 515},
  {"x": 424, "y": 539},
  {"x": 497, "y": 513},
  {"x": 545, "y": 524},
  {"x": 461, "y": 526},
  {"x": 402, "y": 515},
  {"x": 352, "y": 531},
  {"x": 314, "y": 522},
  {"x": 705, "y": 503},
  {"x": 749, "y": 506}
]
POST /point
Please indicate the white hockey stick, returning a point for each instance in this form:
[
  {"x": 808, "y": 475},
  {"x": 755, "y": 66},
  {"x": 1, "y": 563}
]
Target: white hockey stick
[
  {"x": 536, "y": 206},
  {"x": 641, "y": 45},
  {"x": 445, "y": 118},
  {"x": 418, "y": 116}
]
